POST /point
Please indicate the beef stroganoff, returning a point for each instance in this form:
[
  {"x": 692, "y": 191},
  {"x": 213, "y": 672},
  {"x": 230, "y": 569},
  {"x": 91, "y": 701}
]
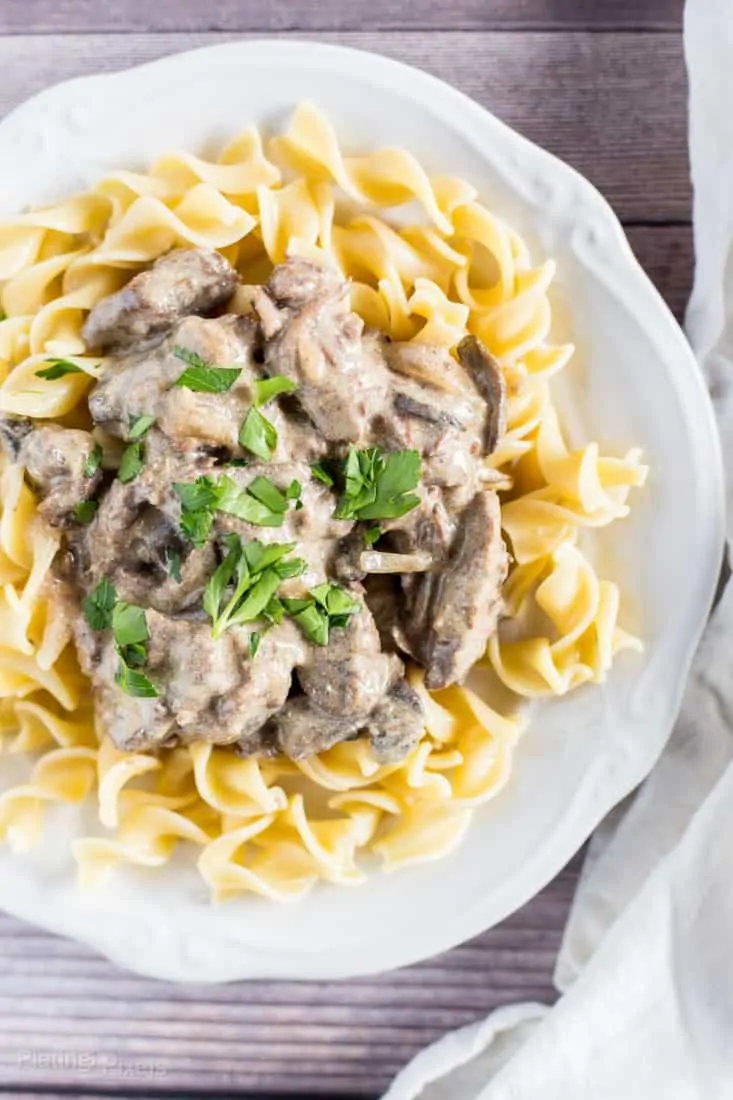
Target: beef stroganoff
[{"x": 279, "y": 472}]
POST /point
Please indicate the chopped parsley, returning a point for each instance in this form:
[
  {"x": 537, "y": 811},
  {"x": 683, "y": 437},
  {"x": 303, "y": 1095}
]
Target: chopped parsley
[
  {"x": 201, "y": 376},
  {"x": 254, "y": 643},
  {"x": 244, "y": 584},
  {"x": 320, "y": 473},
  {"x": 260, "y": 503},
  {"x": 132, "y": 681},
  {"x": 173, "y": 563},
  {"x": 324, "y": 608},
  {"x": 94, "y": 461},
  {"x": 267, "y": 388},
  {"x": 379, "y": 486},
  {"x": 372, "y": 534},
  {"x": 99, "y": 605},
  {"x": 58, "y": 369},
  {"x": 132, "y": 462},
  {"x": 140, "y": 426},
  {"x": 103, "y": 611},
  {"x": 85, "y": 511},
  {"x": 258, "y": 435}
]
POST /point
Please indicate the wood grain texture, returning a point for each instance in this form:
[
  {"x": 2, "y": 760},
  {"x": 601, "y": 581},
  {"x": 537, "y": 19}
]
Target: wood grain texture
[
  {"x": 41, "y": 16},
  {"x": 609, "y": 104},
  {"x": 68, "y": 1018}
]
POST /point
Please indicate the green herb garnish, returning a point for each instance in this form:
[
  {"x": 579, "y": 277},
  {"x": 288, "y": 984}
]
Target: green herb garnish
[
  {"x": 85, "y": 511},
  {"x": 173, "y": 562},
  {"x": 254, "y": 643},
  {"x": 99, "y": 605},
  {"x": 132, "y": 463},
  {"x": 140, "y": 426},
  {"x": 58, "y": 369},
  {"x": 102, "y": 611},
  {"x": 258, "y": 435},
  {"x": 324, "y": 609},
  {"x": 377, "y": 485},
  {"x": 132, "y": 681},
  {"x": 260, "y": 503},
  {"x": 244, "y": 585},
  {"x": 267, "y": 388},
  {"x": 129, "y": 625},
  {"x": 93, "y": 462},
  {"x": 372, "y": 535},
  {"x": 320, "y": 473},
  {"x": 201, "y": 376}
]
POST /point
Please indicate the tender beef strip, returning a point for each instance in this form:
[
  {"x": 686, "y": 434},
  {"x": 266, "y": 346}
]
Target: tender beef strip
[
  {"x": 449, "y": 616},
  {"x": 487, "y": 374},
  {"x": 210, "y": 689},
  {"x": 383, "y": 597},
  {"x": 144, "y": 383},
  {"x": 133, "y": 540},
  {"x": 13, "y": 431},
  {"x": 446, "y": 429},
  {"x": 184, "y": 281},
  {"x": 429, "y": 527},
  {"x": 55, "y": 459},
  {"x": 314, "y": 339},
  {"x": 396, "y": 724},
  {"x": 349, "y": 676},
  {"x": 430, "y": 365},
  {"x": 133, "y": 723},
  {"x": 347, "y": 558},
  {"x": 300, "y": 729}
]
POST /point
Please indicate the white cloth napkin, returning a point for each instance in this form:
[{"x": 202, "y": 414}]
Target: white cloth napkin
[{"x": 646, "y": 965}]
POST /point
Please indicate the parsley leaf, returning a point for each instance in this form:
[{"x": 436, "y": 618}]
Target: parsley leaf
[
  {"x": 327, "y": 607},
  {"x": 255, "y": 572},
  {"x": 103, "y": 610},
  {"x": 258, "y": 435},
  {"x": 99, "y": 605},
  {"x": 379, "y": 486},
  {"x": 132, "y": 681},
  {"x": 260, "y": 503},
  {"x": 93, "y": 462},
  {"x": 129, "y": 625},
  {"x": 140, "y": 426},
  {"x": 173, "y": 563},
  {"x": 320, "y": 473},
  {"x": 267, "y": 388},
  {"x": 132, "y": 463},
  {"x": 202, "y": 377},
  {"x": 372, "y": 535},
  {"x": 58, "y": 368},
  {"x": 264, "y": 490},
  {"x": 85, "y": 511},
  {"x": 254, "y": 643}
]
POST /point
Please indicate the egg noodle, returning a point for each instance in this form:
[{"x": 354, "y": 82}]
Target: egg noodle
[{"x": 274, "y": 827}]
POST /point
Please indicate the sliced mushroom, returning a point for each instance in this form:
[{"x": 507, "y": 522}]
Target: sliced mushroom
[{"x": 487, "y": 375}]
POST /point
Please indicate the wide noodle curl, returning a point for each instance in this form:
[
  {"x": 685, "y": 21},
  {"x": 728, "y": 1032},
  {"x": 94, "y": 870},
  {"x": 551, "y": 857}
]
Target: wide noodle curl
[{"x": 276, "y": 827}]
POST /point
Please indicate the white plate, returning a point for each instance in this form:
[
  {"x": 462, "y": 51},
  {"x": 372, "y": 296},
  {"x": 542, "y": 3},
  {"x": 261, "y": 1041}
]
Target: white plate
[{"x": 634, "y": 381}]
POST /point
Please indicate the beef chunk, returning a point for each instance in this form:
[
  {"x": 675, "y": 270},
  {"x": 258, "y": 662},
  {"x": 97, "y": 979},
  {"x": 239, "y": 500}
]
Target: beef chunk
[{"x": 182, "y": 282}]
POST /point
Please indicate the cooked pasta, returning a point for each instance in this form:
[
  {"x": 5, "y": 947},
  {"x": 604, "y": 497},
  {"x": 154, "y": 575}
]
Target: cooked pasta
[{"x": 275, "y": 827}]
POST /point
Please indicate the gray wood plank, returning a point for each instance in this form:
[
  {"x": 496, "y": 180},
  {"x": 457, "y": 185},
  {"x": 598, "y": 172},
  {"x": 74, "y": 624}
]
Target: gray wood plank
[
  {"x": 666, "y": 254},
  {"x": 63, "y": 16},
  {"x": 70, "y": 1019},
  {"x": 610, "y": 104}
]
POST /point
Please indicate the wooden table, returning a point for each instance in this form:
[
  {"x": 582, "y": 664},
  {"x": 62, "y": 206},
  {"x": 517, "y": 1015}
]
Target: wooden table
[{"x": 602, "y": 84}]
